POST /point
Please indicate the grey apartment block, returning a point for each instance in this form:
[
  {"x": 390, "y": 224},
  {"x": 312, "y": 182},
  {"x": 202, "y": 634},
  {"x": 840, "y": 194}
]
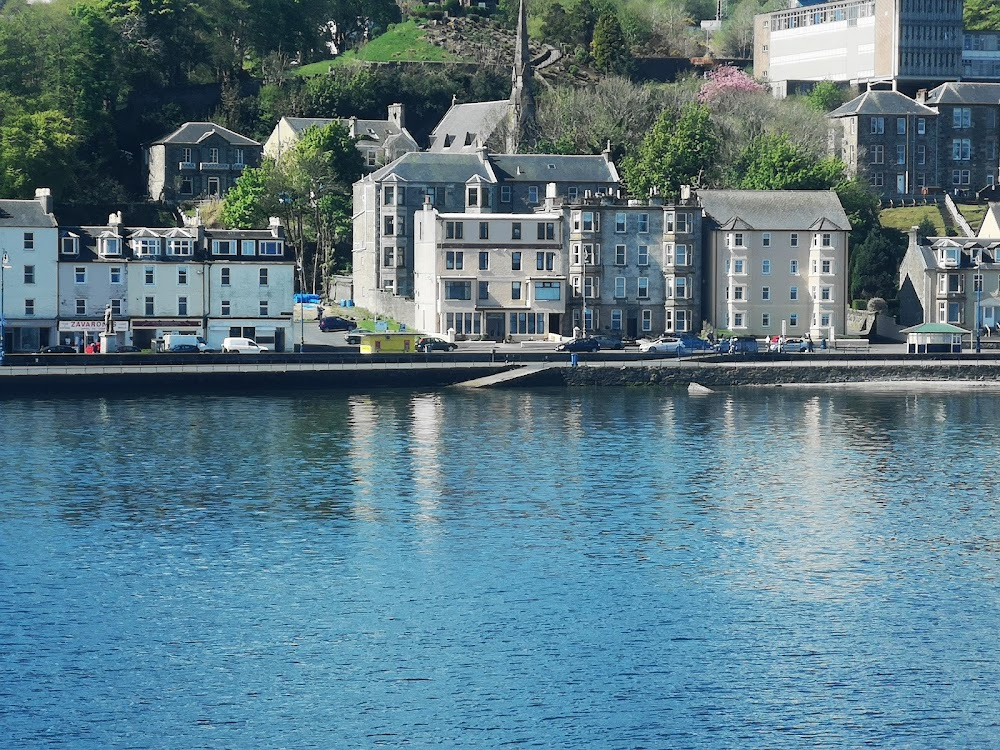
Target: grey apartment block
[{"x": 968, "y": 133}]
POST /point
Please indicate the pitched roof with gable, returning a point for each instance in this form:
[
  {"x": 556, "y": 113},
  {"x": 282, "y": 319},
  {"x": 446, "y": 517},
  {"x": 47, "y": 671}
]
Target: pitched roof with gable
[
  {"x": 964, "y": 93},
  {"x": 431, "y": 167},
  {"x": 776, "y": 209},
  {"x": 196, "y": 132},
  {"x": 15, "y": 213},
  {"x": 882, "y": 103},
  {"x": 378, "y": 131},
  {"x": 464, "y": 127}
]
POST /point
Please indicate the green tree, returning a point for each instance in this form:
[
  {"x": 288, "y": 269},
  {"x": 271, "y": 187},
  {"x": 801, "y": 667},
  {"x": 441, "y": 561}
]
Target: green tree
[
  {"x": 253, "y": 198},
  {"x": 609, "y": 49},
  {"x": 772, "y": 162},
  {"x": 825, "y": 96},
  {"x": 982, "y": 15},
  {"x": 875, "y": 264},
  {"x": 36, "y": 149},
  {"x": 557, "y": 26},
  {"x": 675, "y": 152}
]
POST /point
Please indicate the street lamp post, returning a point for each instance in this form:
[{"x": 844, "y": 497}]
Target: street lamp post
[
  {"x": 4, "y": 265},
  {"x": 978, "y": 280}
]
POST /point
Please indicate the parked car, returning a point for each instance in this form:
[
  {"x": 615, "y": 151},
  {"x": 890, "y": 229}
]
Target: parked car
[
  {"x": 695, "y": 344},
  {"x": 795, "y": 346},
  {"x": 128, "y": 349},
  {"x": 435, "y": 344},
  {"x": 353, "y": 337},
  {"x": 662, "y": 345},
  {"x": 335, "y": 323},
  {"x": 184, "y": 349},
  {"x": 588, "y": 344},
  {"x": 57, "y": 349},
  {"x": 738, "y": 345},
  {"x": 609, "y": 341},
  {"x": 239, "y": 345}
]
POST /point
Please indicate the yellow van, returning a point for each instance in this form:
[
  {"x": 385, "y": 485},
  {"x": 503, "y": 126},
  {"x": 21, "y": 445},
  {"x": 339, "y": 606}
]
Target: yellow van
[{"x": 389, "y": 343}]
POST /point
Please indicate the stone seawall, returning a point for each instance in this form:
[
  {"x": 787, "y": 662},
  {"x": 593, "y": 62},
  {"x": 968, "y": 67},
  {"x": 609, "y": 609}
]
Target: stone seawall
[{"x": 727, "y": 376}]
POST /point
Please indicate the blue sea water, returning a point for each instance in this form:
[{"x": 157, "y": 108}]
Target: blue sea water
[{"x": 777, "y": 568}]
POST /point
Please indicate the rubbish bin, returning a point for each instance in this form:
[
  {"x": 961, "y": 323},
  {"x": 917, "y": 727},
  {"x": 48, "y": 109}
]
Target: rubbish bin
[{"x": 574, "y": 359}]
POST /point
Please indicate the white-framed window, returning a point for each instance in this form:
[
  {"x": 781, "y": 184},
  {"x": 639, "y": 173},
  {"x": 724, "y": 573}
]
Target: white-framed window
[
  {"x": 921, "y": 154},
  {"x": 454, "y": 230},
  {"x": 532, "y": 194},
  {"x": 616, "y": 320},
  {"x": 223, "y": 247},
  {"x": 739, "y": 265},
  {"x": 117, "y": 307},
  {"x": 765, "y": 320},
  {"x": 262, "y": 277},
  {"x": 793, "y": 293},
  {"x": 793, "y": 320},
  {"x": 484, "y": 260},
  {"x": 826, "y": 266},
  {"x": 620, "y": 255},
  {"x": 484, "y": 290},
  {"x": 826, "y": 293},
  {"x": 877, "y": 125},
  {"x": 29, "y": 240},
  {"x": 182, "y": 305},
  {"x": 148, "y": 304},
  {"x": 793, "y": 267},
  {"x": 900, "y": 126},
  {"x": 921, "y": 126},
  {"x": 643, "y": 287},
  {"x": 248, "y": 247},
  {"x": 277, "y": 247},
  {"x": 224, "y": 277},
  {"x": 765, "y": 293},
  {"x": 515, "y": 261},
  {"x": 738, "y": 320},
  {"x": 454, "y": 260},
  {"x": 961, "y": 149},
  {"x": 680, "y": 287},
  {"x": 548, "y": 290},
  {"x": 877, "y": 179},
  {"x": 186, "y": 155},
  {"x": 824, "y": 319},
  {"x": 472, "y": 196},
  {"x": 647, "y": 320},
  {"x": 642, "y": 255},
  {"x": 765, "y": 239},
  {"x": 388, "y": 257},
  {"x": 572, "y": 192},
  {"x": 225, "y": 308},
  {"x": 110, "y": 246},
  {"x": 80, "y": 274},
  {"x": 263, "y": 308},
  {"x": 182, "y": 276},
  {"x": 81, "y": 307},
  {"x": 739, "y": 293},
  {"x": 961, "y": 118},
  {"x": 643, "y": 224},
  {"x": 546, "y": 230},
  {"x": 115, "y": 274},
  {"x": 214, "y": 186},
  {"x": 29, "y": 274},
  {"x": 69, "y": 245},
  {"x": 148, "y": 275},
  {"x": 900, "y": 154},
  {"x": 180, "y": 246},
  {"x": 681, "y": 257},
  {"x": 515, "y": 230},
  {"x": 878, "y": 154},
  {"x": 620, "y": 222},
  {"x": 515, "y": 290},
  {"x": 683, "y": 223},
  {"x": 213, "y": 155},
  {"x": 238, "y": 157},
  {"x": 505, "y": 194},
  {"x": 765, "y": 266},
  {"x": 793, "y": 239}
]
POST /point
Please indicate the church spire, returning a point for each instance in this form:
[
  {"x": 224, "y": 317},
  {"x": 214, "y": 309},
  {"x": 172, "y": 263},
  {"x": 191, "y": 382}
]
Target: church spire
[{"x": 521, "y": 99}]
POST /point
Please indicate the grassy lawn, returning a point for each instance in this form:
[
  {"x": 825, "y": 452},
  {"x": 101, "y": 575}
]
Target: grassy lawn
[
  {"x": 403, "y": 42},
  {"x": 911, "y": 216},
  {"x": 974, "y": 213}
]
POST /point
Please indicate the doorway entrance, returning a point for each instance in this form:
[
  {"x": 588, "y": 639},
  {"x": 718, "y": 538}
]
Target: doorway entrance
[{"x": 495, "y": 327}]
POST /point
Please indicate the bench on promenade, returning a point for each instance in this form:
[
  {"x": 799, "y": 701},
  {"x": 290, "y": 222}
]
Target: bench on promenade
[{"x": 851, "y": 346}]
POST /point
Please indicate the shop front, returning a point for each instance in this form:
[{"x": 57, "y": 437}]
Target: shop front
[{"x": 81, "y": 334}]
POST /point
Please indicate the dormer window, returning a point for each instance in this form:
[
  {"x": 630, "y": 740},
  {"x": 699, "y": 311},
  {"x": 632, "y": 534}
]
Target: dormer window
[
  {"x": 180, "y": 246},
  {"x": 69, "y": 245},
  {"x": 110, "y": 246},
  {"x": 473, "y": 197},
  {"x": 223, "y": 247},
  {"x": 272, "y": 247},
  {"x": 949, "y": 256},
  {"x": 146, "y": 246}
]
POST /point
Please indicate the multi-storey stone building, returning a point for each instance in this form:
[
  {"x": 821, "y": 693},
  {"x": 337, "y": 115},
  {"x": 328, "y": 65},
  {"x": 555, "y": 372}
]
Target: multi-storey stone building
[
  {"x": 890, "y": 140},
  {"x": 386, "y": 201},
  {"x": 29, "y": 246},
  {"x": 968, "y": 133},
  {"x": 210, "y": 282},
  {"x": 775, "y": 261}
]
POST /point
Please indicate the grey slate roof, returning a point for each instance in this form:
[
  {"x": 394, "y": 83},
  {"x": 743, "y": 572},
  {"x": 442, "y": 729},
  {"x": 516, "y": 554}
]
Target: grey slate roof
[
  {"x": 882, "y": 103},
  {"x": 377, "y": 131},
  {"x": 964, "y": 93},
  {"x": 465, "y": 126},
  {"x": 195, "y": 132},
  {"x": 431, "y": 167},
  {"x": 544, "y": 168},
  {"x": 15, "y": 213},
  {"x": 775, "y": 209}
]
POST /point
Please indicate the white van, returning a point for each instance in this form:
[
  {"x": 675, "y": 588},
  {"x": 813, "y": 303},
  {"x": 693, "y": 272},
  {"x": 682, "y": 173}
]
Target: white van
[
  {"x": 242, "y": 346},
  {"x": 171, "y": 340}
]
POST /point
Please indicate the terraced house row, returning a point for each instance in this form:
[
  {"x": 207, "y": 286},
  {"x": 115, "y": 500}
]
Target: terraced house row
[
  {"x": 59, "y": 279},
  {"x": 523, "y": 246}
]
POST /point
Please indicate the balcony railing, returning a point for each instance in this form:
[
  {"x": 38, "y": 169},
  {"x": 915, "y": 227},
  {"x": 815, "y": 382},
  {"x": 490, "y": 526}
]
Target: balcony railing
[
  {"x": 185, "y": 165},
  {"x": 212, "y": 166}
]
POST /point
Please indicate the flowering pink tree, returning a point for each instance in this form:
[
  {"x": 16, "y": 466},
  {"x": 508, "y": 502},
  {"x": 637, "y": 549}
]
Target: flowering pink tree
[{"x": 726, "y": 79}]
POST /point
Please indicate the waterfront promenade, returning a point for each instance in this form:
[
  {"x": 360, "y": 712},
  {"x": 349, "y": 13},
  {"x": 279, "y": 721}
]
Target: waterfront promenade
[{"x": 82, "y": 374}]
